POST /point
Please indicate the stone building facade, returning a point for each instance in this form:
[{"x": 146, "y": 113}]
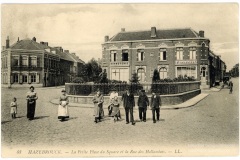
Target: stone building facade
[
  {"x": 28, "y": 62},
  {"x": 173, "y": 52}
]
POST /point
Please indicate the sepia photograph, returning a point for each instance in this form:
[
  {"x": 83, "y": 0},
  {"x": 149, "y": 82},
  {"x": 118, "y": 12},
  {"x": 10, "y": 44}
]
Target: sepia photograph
[{"x": 119, "y": 80}]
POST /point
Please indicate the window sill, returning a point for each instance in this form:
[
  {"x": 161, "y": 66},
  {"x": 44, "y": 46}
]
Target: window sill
[{"x": 162, "y": 60}]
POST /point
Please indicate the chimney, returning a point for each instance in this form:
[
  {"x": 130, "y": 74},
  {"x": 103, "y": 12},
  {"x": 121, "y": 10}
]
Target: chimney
[
  {"x": 74, "y": 54},
  {"x": 153, "y": 32},
  {"x": 67, "y": 51},
  {"x": 106, "y": 38},
  {"x": 18, "y": 39},
  {"x": 34, "y": 39},
  {"x": 45, "y": 43},
  {"x": 42, "y": 43},
  {"x": 201, "y": 33},
  {"x": 122, "y": 29},
  {"x": 7, "y": 42}
]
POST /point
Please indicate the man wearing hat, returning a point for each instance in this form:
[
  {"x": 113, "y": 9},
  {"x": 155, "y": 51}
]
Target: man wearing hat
[
  {"x": 128, "y": 104},
  {"x": 155, "y": 106},
  {"x": 143, "y": 102}
]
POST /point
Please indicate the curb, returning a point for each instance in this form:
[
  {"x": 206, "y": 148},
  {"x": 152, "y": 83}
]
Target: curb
[{"x": 185, "y": 104}]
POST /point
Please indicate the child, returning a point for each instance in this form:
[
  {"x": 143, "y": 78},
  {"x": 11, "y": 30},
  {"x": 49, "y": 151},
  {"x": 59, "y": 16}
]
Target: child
[
  {"x": 115, "y": 111},
  {"x": 13, "y": 106}
]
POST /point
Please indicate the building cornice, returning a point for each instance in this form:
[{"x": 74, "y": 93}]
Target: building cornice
[{"x": 155, "y": 40}]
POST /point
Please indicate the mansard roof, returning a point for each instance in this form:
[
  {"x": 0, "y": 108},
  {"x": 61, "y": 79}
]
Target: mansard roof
[{"x": 160, "y": 34}]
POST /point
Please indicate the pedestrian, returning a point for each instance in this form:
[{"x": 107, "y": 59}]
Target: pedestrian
[
  {"x": 98, "y": 106},
  {"x": 13, "y": 106},
  {"x": 143, "y": 102},
  {"x": 230, "y": 86},
  {"x": 155, "y": 106},
  {"x": 31, "y": 103},
  {"x": 115, "y": 109},
  {"x": 63, "y": 111},
  {"x": 111, "y": 98},
  {"x": 128, "y": 104}
]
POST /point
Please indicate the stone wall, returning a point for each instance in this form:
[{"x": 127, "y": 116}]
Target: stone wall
[{"x": 172, "y": 99}]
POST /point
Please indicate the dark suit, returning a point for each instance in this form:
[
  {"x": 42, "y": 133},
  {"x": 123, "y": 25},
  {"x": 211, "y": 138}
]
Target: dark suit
[
  {"x": 143, "y": 102},
  {"x": 128, "y": 104},
  {"x": 155, "y": 105}
]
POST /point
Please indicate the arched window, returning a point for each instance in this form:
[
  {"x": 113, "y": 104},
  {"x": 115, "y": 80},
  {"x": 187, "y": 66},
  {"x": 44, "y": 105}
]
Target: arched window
[
  {"x": 141, "y": 74},
  {"x": 163, "y": 73}
]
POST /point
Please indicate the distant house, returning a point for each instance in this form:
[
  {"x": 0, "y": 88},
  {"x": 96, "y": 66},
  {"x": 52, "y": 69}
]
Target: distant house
[
  {"x": 28, "y": 62},
  {"x": 173, "y": 52}
]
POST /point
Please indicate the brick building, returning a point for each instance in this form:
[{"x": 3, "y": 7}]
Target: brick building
[
  {"x": 28, "y": 62},
  {"x": 173, "y": 52}
]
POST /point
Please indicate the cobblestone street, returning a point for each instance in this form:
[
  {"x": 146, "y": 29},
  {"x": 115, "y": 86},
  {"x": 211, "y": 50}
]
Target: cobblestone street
[{"x": 213, "y": 122}]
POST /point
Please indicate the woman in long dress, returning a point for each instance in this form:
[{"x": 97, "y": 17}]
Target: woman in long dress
[
  {"x": 98, "y": 106},
  {"x": 31, "y": 103},
  {"x": 63, "y": 112},
  {"x": 111, "y": 98}
]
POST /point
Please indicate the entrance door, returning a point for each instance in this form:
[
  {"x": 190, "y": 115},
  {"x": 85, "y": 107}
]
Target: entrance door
[{"x": 203, "y": 75}]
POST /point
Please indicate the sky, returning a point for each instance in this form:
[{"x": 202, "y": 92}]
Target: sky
[{"x": 80, "y": 28}]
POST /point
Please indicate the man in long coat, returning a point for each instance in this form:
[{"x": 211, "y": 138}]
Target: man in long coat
[
  {"x": 143, "y": 102},
  {"x": 128, "y": 104},
  {"x": 155, "y": 106}
]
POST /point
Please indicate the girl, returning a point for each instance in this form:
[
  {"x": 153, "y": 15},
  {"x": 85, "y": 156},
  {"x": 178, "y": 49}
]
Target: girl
[{"x": 13, "y": 106}]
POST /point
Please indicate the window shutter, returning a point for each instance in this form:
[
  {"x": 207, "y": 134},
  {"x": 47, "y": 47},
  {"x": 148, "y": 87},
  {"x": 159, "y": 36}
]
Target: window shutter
[
  {"x": 11, "y": 79},
  {"x": 137, "y": 56},
  {"x": 38, "y": 61},
  {"x": 143, "y": 56},
  {"x": 37, "y": 78},
  {"x": 20, "y": 60},
  {"x": 20, "y": 78},
  {"x": 29, "y": 78}
]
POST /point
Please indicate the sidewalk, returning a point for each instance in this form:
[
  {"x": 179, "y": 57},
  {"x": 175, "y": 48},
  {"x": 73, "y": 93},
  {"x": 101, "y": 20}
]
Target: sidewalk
[{"x": 188, "y": 103}]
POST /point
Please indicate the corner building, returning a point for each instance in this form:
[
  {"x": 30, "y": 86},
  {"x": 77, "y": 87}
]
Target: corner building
[{"x": 173, "y": 52}]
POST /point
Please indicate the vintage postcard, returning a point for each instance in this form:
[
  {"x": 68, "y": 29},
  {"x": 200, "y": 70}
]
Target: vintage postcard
[{"x": 120, "y": 80}]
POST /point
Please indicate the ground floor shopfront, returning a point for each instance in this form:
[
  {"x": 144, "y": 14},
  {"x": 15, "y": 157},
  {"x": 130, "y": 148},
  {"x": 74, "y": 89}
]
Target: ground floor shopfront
[
  {"x": 34, "y": 78},
  {"x": 190, "y": 68}
]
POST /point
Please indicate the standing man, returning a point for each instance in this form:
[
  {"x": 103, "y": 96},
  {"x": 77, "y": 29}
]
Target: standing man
[
  {"x": 128, "y": 104},
  {"x": 143, "y": 102},
  {"x": 155, "y": 106}
]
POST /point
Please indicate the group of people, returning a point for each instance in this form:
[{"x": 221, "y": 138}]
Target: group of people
[
  {"x": 113, "y": 108},
  {"x": 128, "y": 102},
  {"x": 31, "y": 98}
]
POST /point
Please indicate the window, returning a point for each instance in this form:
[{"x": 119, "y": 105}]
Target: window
[
  {"x": 15, "y": 60},
  {"x": 163, "y": 73},
  {"x": 113, "y": 56},
  {"x": 192, "y": 53},
  {"x": 15, "y": 78},
  {"x": 141, "y": 74},
  {"x": 25, "y": 61},
  {"x": 24, "y": 78},
  {"x": 189, "y": 71},
  {"x": 34, "y": 61},
  {"x": 179, "y": 53},
  {"x": 5, "y": 60},
  {"x": 125, "y": 55},
  {"x": 140, "y": 55},
  {"x": 163, "y": 55},
  {"x": 33, "y": 77},
  {"x": 74, "y": 69}
]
